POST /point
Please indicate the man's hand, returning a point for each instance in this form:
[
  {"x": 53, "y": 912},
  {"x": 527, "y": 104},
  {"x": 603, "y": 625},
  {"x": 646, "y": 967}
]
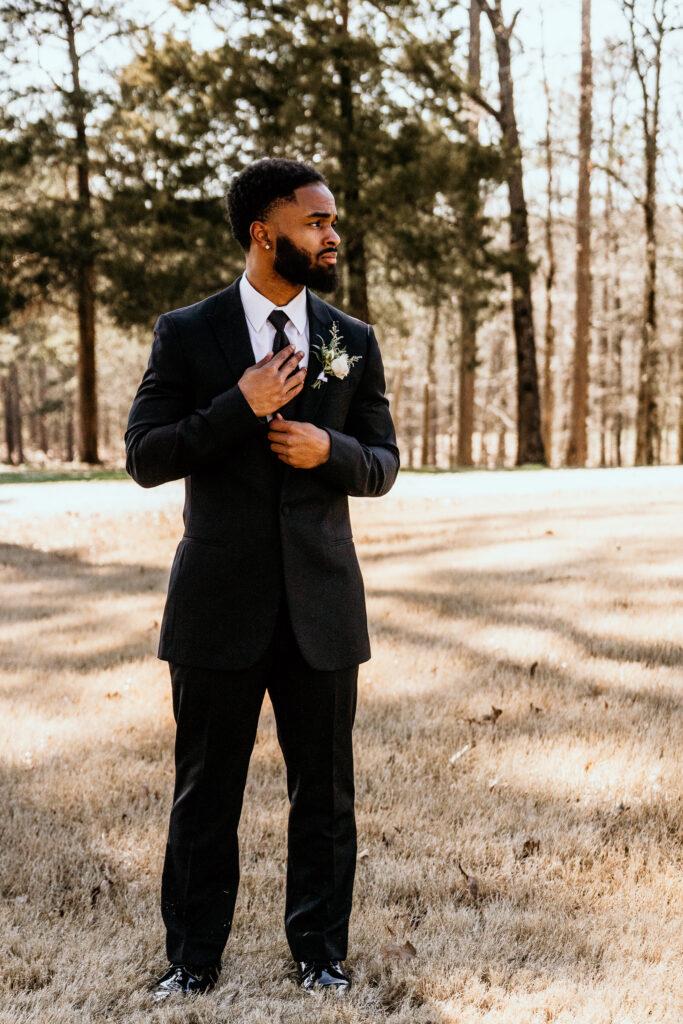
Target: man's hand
[
  {"x": 273, "y": 381},
  {"x": 302, "y": 445}
]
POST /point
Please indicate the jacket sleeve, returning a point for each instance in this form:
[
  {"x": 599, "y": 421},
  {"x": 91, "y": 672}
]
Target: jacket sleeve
[
  {"x": 364, "y": 458},
  {"x": 166, "y": 438}
]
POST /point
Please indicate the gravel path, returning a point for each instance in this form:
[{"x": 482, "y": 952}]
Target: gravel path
[{"x": 111, "y": 496}]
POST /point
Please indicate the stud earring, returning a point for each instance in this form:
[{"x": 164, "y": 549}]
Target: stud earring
[{"x": 267, "y": 247}]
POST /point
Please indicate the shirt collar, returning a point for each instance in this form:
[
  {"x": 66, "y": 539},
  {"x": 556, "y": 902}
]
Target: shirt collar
[{"x": 258, "y": 308}]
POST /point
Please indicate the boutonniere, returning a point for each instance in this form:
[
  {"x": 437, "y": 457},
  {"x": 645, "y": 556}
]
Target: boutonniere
[{"x": 336, "y": 361}]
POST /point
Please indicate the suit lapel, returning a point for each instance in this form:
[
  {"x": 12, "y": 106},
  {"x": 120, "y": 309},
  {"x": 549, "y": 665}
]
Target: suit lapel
[
  {"x": 229, "y": 325},
  {"x": 319, "y": 320}
]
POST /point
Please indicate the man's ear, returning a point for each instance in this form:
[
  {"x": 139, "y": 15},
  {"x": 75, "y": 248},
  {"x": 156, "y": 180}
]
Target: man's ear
[{"x": 260, "y": 235}]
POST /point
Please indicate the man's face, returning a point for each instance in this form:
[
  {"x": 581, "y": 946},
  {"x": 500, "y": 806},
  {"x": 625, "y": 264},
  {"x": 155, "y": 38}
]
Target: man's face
[{"x": 305, "y": 239}]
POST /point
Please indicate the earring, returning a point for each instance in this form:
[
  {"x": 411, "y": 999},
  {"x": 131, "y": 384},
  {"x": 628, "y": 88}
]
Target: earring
[{"x": 267, "y": 247}]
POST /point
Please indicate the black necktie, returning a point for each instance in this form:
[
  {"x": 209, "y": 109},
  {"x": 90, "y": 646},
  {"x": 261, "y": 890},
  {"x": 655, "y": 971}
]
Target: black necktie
[{"x": 279, "y": 320}]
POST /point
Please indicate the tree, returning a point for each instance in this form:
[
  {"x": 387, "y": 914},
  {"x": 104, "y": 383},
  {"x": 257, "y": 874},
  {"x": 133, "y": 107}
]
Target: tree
[
  {"x": 578, "y": 446},
  {"x": 165, "y": 236},
  {"x": 648, "y": 27},
  {"x": 467, "y": 299},
  {"x": 56, "y": 230},
  {"x": 548, "y": 410},
  {"x": 529, "y": 439}
]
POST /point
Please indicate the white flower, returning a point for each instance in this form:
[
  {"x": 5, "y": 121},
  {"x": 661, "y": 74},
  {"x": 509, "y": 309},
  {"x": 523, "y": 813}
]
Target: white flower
[
  {"x": 340, "y": 366},
  {"x": 334, "y": 358}
]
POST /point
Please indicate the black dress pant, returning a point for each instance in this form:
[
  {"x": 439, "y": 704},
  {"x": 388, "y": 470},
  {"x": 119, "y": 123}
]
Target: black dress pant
[{"x": 216, "y": 715}]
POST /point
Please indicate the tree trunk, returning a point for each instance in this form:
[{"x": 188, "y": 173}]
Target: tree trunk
[
  {"x": 548, "y": 408},
  {"x": 452, "y": 392},
  {"x": 397, "y": 392},
  {"x": 85, "y": 268},
  {"x": 69, "y": 451},
  {"x": 468, "y": 312},
  {"x": 16, "y": 414},
  {"x": 529, "y": 440},
  {"x": 603, "y": 371},
  {"x": 613, "y": 284},
  {"x": 647, "y": 418},
  {"x": 578, "y": 443},
  {"x": 8, "y": 419},
  {"x": 42, "y": 417},
  {"x": 354, "y": 235},
  {"x": 646, "y": 60},
  {"x": 428, "y": 455},
  {"x": 466, "y": 376},
  {"x": 618, "y": 373}
]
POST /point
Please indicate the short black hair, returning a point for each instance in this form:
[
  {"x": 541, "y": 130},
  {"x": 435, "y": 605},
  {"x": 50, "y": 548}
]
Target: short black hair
[{"x": 254, "y": 190}]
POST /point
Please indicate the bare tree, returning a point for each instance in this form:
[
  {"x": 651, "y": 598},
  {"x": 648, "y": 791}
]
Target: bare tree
[
  {"x": 548, "y": 409},
  {"x": 429, "y": 409},
  {"x": 529, "y": 440},
  {"x": 349, "y": 158},
  {"x": 648, "y": 29},
  {"x": 578, "y": 446},
  {"x": 467, "y": 302}
]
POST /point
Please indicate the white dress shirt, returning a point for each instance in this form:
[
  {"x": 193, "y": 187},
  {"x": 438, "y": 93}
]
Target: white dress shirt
[{"x": 262, "y": 333}]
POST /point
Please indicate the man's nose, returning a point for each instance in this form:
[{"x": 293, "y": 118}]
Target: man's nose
[{"x": 332, "y": 237}]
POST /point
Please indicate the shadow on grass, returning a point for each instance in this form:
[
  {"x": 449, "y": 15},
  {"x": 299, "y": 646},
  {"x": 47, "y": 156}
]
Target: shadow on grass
[
  {"x": 53, "y": 622},
  {"x": 87, "y": 827}
]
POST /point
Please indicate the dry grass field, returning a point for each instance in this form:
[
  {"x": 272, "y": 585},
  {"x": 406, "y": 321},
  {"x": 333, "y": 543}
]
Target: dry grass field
[{"x": 561, "y": 608}]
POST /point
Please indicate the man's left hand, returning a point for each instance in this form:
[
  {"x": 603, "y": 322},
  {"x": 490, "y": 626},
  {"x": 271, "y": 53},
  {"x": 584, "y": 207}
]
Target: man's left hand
[{"x": 302, "y": 445}]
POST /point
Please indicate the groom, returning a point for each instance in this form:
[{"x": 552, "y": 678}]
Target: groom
[{"x": 270, "y": 403}]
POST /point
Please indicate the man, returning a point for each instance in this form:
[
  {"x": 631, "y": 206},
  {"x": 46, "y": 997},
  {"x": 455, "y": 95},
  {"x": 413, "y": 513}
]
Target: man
[{"x": 270, "y": 403}]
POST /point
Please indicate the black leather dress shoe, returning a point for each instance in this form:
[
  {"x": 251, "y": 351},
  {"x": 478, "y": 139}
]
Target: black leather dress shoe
[
  {"x": 323, "y": 975},
  {"x": 180, "y": 978}
]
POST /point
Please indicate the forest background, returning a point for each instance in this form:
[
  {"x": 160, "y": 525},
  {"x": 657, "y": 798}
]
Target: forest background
[{"x": 507, "y": 188}]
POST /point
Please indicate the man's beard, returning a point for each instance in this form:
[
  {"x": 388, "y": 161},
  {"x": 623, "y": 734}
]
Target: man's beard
[{"x": 296, "y": 266}]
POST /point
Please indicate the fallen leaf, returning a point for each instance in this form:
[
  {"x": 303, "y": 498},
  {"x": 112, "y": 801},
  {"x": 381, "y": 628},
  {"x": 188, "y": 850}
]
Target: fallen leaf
[
  {"x": 587, "y": 767},
  {"x": 532, "y": 670},
  {"x": 363, "y": 854},
  {"x": 114, "y": 694},
  {"x": 471, "y": 883},
  {"x": 493, "y": 716},
  {"x": 529, "y": 847},
  {"x": 405, "y": 951},
  {"x": 534, "y": 709},
  {"x": 550, "y": 532}
]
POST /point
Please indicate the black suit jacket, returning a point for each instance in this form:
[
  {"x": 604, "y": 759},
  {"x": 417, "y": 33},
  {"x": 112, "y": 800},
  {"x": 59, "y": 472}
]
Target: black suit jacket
[{"x": 253, "y": 525}]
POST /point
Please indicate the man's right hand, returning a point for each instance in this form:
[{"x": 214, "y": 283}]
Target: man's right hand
[{"x": 273, "y": 381}]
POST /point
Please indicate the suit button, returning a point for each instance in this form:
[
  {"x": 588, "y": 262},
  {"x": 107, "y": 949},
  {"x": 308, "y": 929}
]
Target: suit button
[{"x": 285, "y": 510}]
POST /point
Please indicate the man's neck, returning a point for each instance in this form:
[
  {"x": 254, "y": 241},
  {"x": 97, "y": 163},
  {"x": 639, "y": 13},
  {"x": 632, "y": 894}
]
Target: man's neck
[{"x": 272, "y": 285}]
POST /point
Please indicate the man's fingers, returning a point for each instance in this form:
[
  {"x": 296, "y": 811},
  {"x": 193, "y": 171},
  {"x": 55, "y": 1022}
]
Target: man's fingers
[
  {"x": 293, "y": 385},
  {"x": 285, "y": 353},
  {"x": 290, "y": 364}
]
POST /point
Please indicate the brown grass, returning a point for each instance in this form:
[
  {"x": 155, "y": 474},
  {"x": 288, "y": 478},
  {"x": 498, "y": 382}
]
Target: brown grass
[{"x": 566, "y": 809}]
